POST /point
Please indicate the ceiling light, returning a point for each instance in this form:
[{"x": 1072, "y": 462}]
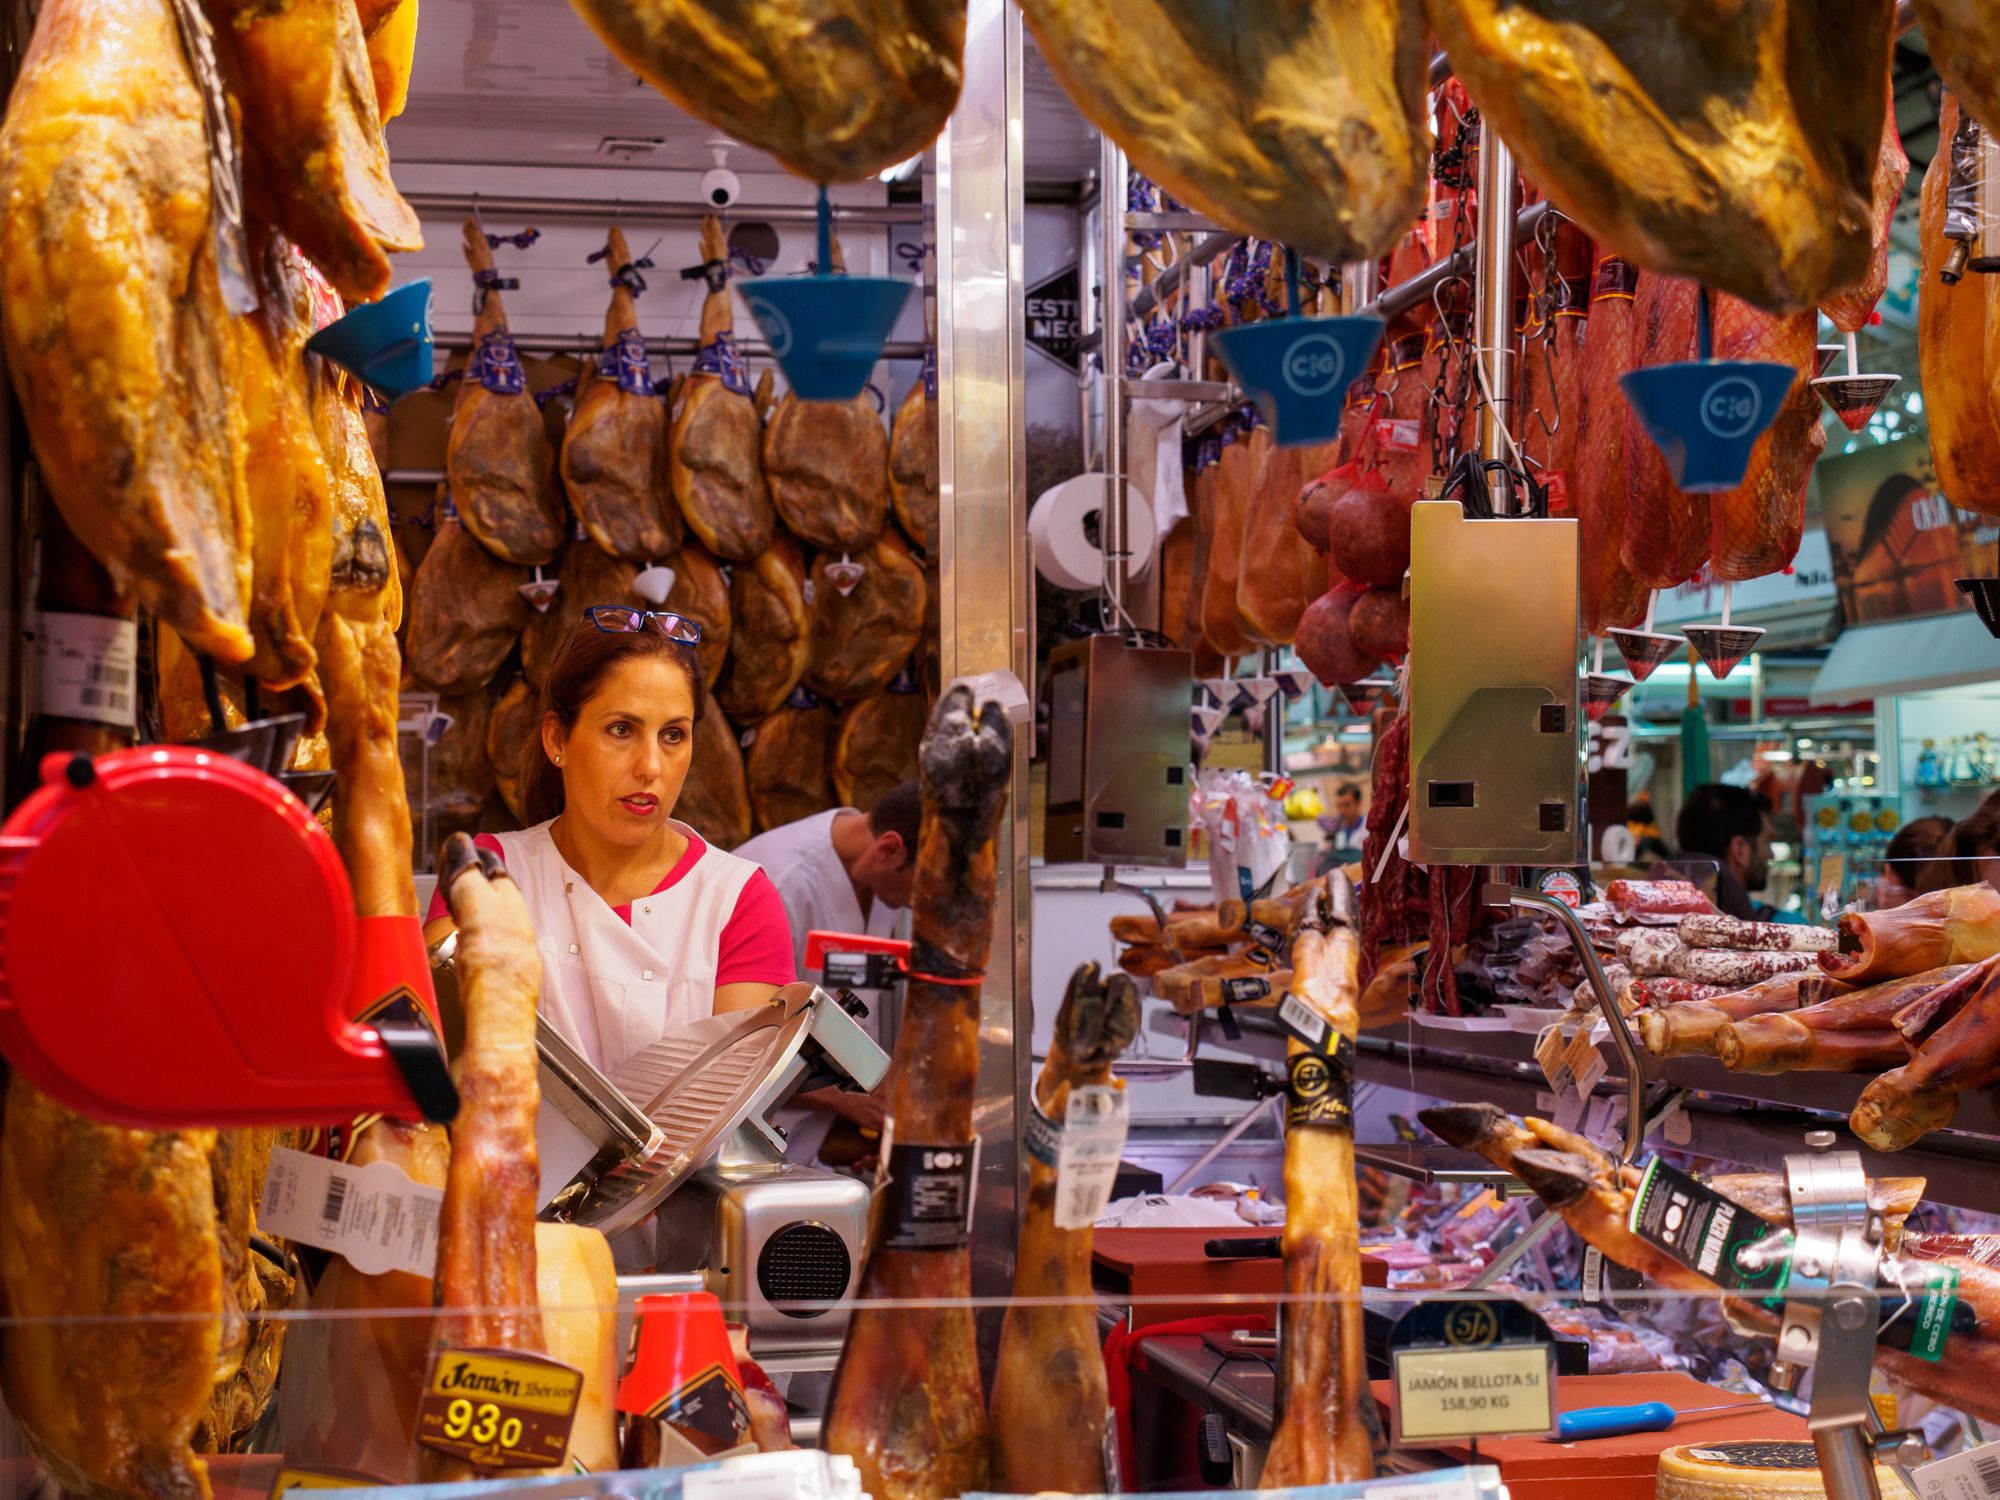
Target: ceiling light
[{"x": 903, "y": 171}]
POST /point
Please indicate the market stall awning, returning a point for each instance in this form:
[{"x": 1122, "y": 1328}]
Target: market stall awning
[{"x": 1907, "y": 656}]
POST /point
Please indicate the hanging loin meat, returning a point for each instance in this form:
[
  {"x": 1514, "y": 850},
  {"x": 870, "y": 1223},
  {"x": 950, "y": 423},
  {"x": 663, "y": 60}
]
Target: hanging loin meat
[{"x": 906, "y": 1404}]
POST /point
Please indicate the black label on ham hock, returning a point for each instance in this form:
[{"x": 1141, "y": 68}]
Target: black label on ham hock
[
  {"x": 930, "y": 1197},
  {"x": 1319, "y": 1087}
]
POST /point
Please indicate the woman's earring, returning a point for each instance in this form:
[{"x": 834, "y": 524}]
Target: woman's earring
[{"x": 558, "y": 760}]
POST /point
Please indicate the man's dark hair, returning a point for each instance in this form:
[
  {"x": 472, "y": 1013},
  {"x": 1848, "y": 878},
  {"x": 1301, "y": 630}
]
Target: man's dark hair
[
  {"x": 1715, "y": 814},
  {"x": 899, "y": 810},
  {"x": 1348, "y": 789}
]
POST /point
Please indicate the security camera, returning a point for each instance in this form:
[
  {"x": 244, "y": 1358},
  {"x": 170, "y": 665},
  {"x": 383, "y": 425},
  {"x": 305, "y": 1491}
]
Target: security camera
[{"x": 721, "y": 187}]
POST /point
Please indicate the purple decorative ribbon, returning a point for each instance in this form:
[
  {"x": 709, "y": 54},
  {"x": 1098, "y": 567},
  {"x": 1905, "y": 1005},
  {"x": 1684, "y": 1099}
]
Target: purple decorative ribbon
[
  {"x": 495, "y": 365},
  {"x": 724, "y": 359},
  {"x": 625, "y": 362}
]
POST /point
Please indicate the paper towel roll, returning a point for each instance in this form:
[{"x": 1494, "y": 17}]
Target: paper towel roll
[{"x": 1064, "y": 553}]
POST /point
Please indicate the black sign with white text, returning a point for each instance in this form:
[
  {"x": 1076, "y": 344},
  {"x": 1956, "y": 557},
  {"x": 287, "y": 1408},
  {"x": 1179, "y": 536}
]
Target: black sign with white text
[{"x": 1055, "y": 310}]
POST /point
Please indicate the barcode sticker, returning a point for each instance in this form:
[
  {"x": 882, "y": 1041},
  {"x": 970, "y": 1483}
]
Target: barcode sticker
[
  {"x": 1971, "y": 1475},
  {"x": 87, "y": 668},
  {"x": 1093, "y": 1140},
  {"x": 374, "y": 1216},
  {"x": 1298, "y": 1019},
  {"x": 336, "y": 1198}
]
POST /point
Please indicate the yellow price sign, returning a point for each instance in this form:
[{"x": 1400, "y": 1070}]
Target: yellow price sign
[
  {"x": 1474, "y": 1392},
  {"x": 498, "y": 1409}
]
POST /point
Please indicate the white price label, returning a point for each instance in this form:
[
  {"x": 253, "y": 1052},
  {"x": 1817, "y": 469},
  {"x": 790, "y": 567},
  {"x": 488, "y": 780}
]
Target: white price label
[
  {"x": 87, "y": 668},
  {"x": 1971, "y": 1475},
  {"x": 1301, "y": 1020},
  {"x": 374, "y": 1216},
  {"x": 1569, "y": 1111},
  {"x": 1093, "y": 1139}
]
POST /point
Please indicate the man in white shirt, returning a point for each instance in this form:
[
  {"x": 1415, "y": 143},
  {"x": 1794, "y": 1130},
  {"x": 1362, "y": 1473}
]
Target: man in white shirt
[{"x": 842, "y": 871}]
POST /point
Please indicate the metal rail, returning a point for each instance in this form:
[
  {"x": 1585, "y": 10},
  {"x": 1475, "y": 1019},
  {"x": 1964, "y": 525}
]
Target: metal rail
[
  {"x": 437, "y": 205},
  {"x": 1493, "y": 306},
  {"x": 1497, "y": 894},
  {"x": 1112, "y": 177},
  {"x": 589, "y": 343}
]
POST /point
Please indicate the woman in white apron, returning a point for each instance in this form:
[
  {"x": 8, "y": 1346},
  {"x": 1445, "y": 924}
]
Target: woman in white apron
[{"x": 643, "y": 928}]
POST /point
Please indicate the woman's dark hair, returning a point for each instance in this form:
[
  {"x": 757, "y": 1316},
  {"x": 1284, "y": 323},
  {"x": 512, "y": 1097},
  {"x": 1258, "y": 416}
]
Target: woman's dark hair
[
  {"x": 1978, "y": 836},
  {"x": 581, "y": 664},
  {"x": 1911, "y": 856}
]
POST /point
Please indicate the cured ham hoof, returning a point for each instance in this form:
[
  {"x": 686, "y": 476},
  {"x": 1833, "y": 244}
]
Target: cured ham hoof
[
  {"x": 1557, "y": 1178},
  {"x": 459, "y": 855},
  {"x": 1888, "y": 1118},
  {"x": 965, "y": 765},
  {"x": 1097, "y": 1020},
  {"x": 1465, "y": 1126}
]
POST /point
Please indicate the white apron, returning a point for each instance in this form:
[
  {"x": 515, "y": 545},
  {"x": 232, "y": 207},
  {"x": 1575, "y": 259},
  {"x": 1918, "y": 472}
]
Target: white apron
[{"x": 613, "y": 989}]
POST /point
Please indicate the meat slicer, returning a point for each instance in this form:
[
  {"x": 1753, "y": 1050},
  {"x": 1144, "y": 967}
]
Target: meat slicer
[{"x": 682, "y": 1131}]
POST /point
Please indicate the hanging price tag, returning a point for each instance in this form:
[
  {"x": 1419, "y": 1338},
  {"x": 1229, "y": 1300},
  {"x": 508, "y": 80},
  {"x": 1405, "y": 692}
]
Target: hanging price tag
[
  {"x": 1586, "y": 1063},
  {"x": 1550, "y": 1051},
  {"x": 1971, "y": 1475},
  {"x": 375, "y": 1216},
  {"x": 497, "y": 1408},
  {"x": 1093, "y": 1140}
]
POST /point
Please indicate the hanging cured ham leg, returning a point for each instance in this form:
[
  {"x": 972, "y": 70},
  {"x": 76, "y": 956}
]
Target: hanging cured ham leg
[
  {"x": 1666, "y": 531},
  {"x": 1851, "y": 1033},
  {"x": 715, "y": 457},
  {"x": 118, "y": 339},
  {"x": 1956, "y": 926},
  {"x": 1903, "y": 1105},
  {"x": 1689, "y": 1028},
  {"x": 486, "y": 1234},
  {"x": 1611, "y": 597},
  {"x": 614, "y": 453},
  {"x": 1306, "y": 128},
  {"x": 1324, "y": 1436},
  {"x": 1956, "y": 327},
  {"x": 497, "y": 460},
  {"x": 1048, "y": 1388},
  {"x": 907, "y": 1405},
  {"x": 353, "y": 1380},
  {"x": 315, "y": 161},
  {"x": 1726, "y": 141}
]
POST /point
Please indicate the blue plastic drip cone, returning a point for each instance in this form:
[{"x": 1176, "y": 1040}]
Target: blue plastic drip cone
[{"x": 386, "y": 343}]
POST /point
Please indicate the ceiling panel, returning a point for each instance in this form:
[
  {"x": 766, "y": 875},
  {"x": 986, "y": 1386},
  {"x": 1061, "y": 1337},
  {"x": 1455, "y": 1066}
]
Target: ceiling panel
[{"x": 526, "y": 82}]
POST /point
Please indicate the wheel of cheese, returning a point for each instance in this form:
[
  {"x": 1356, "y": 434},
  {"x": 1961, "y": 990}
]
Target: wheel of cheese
[{"x": 1751, "y": 1471}]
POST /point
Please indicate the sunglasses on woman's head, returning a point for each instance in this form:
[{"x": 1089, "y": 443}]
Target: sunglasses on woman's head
[{"x": 620, "y": 619}]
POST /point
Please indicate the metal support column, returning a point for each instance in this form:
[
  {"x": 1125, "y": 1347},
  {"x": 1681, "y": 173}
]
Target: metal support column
[
  {"x": 985, "y": 604},
  {"x": 1111, "y": 191},
  {"x": 1493, "y": 315}
]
